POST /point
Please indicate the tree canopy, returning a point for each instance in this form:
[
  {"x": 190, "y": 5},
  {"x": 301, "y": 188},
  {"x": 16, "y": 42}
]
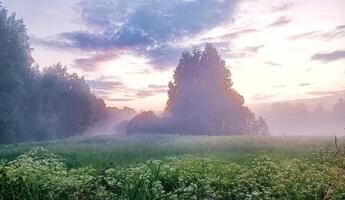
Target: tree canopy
[
  {"x": 203, "y": 101},
  {"x": 34, "y": 104}
]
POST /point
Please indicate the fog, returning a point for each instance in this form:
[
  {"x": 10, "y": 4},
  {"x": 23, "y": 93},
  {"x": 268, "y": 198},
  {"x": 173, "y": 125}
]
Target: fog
[
  {"x": 113, "y": 123},
  {"x": 51, "y": 103},
  {"x": 317, "y": 117}
]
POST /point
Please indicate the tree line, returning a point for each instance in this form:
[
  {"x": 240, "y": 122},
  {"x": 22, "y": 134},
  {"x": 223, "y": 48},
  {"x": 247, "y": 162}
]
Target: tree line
[{"x": 39, "y": 104}]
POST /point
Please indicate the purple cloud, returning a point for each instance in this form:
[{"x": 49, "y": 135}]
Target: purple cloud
[
  {"x": 280, "y": 21},
  {"x": 91, "y": 63},
  {"x": 282, "y": 7},
  {"x": 337, "y": 32},
  {"x": 119, "y": 99},
  {"x": 236, "y": 34},
  {"x": 58, "y": 43},
  {"x": 159, "y": 87},
  {"x": 147, "y": 28},
  {"x": 303, "y": 35},
  {"x": 245, "y": 52},
  {"x": 329, "y": 57},
  {"x": 149, "y": 92},
  {"x": 104, "y": 85}
]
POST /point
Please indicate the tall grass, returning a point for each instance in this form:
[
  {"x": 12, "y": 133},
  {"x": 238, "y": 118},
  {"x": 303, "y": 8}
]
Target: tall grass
[
  {"x": 40, "y": 174},
  {"x": 101, "y": 152}
]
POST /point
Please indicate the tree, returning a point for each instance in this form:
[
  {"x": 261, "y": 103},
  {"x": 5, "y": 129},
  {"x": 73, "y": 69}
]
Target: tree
[
  {"x": 39, "y": 105},
  {"x": 201, "y": 97},
  {"x": 202, "y": 100},
  {"x": 68, "y": 107},
  {"x": 16, "y": 76},
  {"x": 262, "y": 127},
  {"x": 145, "y": 122}
]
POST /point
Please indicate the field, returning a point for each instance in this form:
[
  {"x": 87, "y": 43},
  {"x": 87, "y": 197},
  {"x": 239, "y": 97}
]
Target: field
[{"x": 175, "y": 167}]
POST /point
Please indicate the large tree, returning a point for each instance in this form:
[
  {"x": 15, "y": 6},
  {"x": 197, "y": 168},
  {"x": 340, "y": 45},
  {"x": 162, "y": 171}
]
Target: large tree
[
  {"x": 202, "y": 100},
  {"x": 201, "y": 97},
  {"x": 15, "y": 75}
]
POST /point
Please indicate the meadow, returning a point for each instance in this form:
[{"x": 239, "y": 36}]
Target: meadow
[{"x": 175, "y": 167}]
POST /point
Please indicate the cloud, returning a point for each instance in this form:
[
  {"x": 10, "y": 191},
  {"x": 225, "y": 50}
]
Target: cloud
[
  {"x": 159, "y": 87},
  {"x": 89, "y": 41},
  {"x": 261, "y": 97},
  {"x": 337, "y": 32},
  {"x": 146, "y": 27},
  {"x": 102, "y": 93},
  {"x": 340, "y": 27},
  {"x": 107, "y": 77},
  {"x": 326, "y": 93},
  {"x": 91, "y": 63},
  {"x": 119, "y": 99},
  {"x": 304, "y": 84},
  {"x": 58, "y": 43},
  {"x": 149, "y": 92},
  {"x": 253, "y": 49},
  {"x": 245, "y": 52},
  {"x": 104, "y": 85},
  {"x": 272, "y": 63},
  {"x": 280, "y": 21},
  {"x": 104, "y": 88},
  {"x": 122, "y": 23},
  {"x": 329, "y": 57},
  {"x": 236, "y": 34},
  {"x": 303, "y": 35},
  {"x": 141, "y": 71},
  {"x": 164, "y": 56},
  {"x": 282, "y": 7}
]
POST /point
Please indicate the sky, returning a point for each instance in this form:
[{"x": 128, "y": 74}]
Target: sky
[{"x": 127, "y": 50}]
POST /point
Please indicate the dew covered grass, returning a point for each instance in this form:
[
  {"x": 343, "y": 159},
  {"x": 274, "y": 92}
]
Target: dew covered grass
[{"x": 174, "y": 167}]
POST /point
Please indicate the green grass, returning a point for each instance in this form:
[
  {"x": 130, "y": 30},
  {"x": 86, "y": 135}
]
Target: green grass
[
  {"x": 174, "y": 167},
  {"x": 100, "y": 152}
]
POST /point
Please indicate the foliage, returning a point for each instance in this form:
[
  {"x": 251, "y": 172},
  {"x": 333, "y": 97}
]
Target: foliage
[
  {"x": 68, "y": 107},
  {"x": 40, "y": 174},
  {"x": 145, "y": 122},
  {"x": 39, "y": 105},
  {"x": 16, "y": 76},
  {"x": 201, "y": 101}
]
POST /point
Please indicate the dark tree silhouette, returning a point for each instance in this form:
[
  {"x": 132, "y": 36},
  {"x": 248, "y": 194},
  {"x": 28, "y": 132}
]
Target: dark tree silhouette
[
  {"x": 37, "y": 105},
  {"x": 68, "y": 107},
  {"x": 202, "y": 100},
  {"x": 15, "y": 76}
]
